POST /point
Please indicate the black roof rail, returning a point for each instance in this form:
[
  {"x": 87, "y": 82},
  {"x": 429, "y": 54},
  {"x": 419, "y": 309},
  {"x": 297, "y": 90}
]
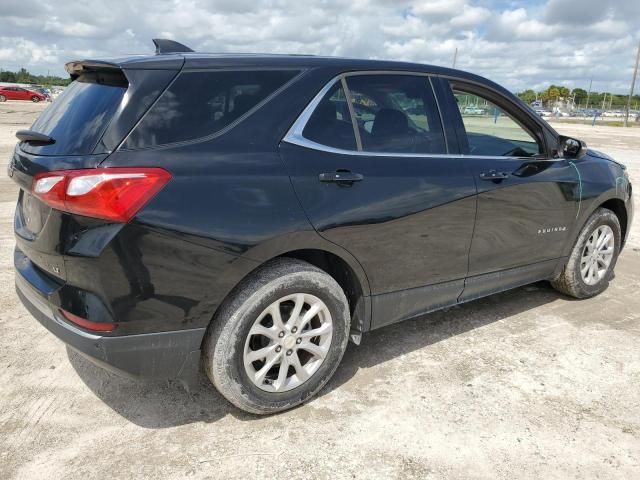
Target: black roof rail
[{"x": 164, "y": 45}]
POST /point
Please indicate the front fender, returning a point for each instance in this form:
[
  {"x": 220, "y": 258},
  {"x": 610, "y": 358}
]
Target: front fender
[{"x": 600, "y": 181}]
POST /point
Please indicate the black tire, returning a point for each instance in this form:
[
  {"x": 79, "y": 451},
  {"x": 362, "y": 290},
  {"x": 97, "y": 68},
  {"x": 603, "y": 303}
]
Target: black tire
[
  {"x": 35, "y": 99},
  {"x": 570, "y": 280},
  {"x": 224, "y": 345},
  {"x": 3, "y": 98}
]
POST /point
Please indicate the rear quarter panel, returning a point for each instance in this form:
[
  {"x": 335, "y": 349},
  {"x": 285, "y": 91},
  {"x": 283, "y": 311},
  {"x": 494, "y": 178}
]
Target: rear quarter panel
[{"x": 228, "y": 208}]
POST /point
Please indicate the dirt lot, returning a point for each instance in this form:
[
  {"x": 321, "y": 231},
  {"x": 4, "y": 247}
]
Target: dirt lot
[{"x": 525, "y": 384}]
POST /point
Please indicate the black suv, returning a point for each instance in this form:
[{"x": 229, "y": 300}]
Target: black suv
[{"x": 252, "y": 213}]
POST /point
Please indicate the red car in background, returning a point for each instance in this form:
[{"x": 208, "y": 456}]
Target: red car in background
[{"x": 19, "y": 93}]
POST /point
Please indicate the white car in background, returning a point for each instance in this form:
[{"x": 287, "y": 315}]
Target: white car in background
[
  {"x": 473, "y": 111},
  {"x": 55, "y": 92}
]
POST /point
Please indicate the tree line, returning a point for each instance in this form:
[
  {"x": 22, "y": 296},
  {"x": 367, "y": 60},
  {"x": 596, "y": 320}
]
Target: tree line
[
  {"x": 23, "y": 76},
  {"x": 579, "y": 97}
]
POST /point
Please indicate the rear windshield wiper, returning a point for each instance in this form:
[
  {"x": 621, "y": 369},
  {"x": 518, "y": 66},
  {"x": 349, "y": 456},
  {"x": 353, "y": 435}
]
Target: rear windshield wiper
[{"x": 35, "y": 137}]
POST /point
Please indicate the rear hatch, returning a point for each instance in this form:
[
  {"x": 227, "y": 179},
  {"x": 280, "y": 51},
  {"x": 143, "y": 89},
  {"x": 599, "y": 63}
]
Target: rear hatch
[{"x": 86, "y": 122}]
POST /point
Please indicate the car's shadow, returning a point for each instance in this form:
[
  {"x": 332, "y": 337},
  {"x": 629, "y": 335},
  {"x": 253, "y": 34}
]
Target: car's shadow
[{"x": 168, "y": 403}]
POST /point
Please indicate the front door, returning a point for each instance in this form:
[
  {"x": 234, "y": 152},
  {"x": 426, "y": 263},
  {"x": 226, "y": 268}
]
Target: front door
[
  {"x": 527, "y": 199},
  {"x": 371, "y": 170}
]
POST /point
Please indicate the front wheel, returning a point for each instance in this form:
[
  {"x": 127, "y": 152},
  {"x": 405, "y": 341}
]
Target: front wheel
[
  {"x": 278, "y": 338},
  {"x": 35, "y": 99},
  {"x": 3, "y": 98},
  {"x": 593, "y": 258}
]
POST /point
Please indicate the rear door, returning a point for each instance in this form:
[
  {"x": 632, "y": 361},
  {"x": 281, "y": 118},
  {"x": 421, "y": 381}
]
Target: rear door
[
  {"x": 527, "y": 197},
  {"x": 369, "y": 162},
  {"x": 22, "y": 94}
]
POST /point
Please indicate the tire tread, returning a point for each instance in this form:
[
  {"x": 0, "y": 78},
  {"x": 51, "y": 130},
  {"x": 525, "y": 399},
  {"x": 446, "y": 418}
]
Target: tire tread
[
  {"x": 222, "y": 336},
  {"x": 569, "y": 281}
]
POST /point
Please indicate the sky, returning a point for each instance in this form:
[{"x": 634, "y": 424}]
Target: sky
[{"x": 526, "y": 44}]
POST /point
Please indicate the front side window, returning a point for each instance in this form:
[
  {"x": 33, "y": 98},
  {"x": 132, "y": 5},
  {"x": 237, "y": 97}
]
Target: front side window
[
  {"x": 491, "y": 131},
  {"x": 199, "y": 104},
  {"x": 396, "y": 114}
]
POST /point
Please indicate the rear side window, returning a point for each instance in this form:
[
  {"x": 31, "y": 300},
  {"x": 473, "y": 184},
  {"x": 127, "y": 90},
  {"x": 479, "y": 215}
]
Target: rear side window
[
  {"x": 80, "y": 115},
  {"x": 396, "y": 114},
  {"x": 199, "y": 104},
  {"x": 330, "y": 124}
]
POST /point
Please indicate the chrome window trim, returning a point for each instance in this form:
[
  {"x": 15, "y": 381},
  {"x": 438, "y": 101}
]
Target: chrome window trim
[
  {"x": 294, "y": 134},
  {"x": 303, "y": 142}
]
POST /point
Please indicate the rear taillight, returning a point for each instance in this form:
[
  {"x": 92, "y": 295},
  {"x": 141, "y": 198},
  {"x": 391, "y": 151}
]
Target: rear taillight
[{"x": 115, "y": 194}]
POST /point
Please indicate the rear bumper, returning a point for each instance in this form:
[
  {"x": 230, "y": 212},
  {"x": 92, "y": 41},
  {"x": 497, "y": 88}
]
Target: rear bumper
[{"x": 174, "y": 354}]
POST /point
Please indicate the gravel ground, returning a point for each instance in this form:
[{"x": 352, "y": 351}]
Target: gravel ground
[{"x": 524, "y": 384}]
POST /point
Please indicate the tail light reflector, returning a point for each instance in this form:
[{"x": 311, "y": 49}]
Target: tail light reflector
[
  {"x": 88, "y": 324},
  {"x": 114, "y": 194}
]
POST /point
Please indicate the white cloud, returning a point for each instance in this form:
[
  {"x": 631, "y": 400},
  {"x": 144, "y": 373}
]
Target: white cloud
[
  {"x": 470, "y": 16},
  {"x": 438, "y": 8},
  {"x": 558, "y": 41}
]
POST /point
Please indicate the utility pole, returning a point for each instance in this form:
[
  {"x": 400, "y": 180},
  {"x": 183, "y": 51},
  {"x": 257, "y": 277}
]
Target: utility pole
[
  {"x": 633, "y": 84},
  {"x": 455, "y": 57},
  {"x": 589, "y": 92}
]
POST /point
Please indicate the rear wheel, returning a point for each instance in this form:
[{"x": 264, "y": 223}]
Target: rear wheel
[
  {"x": 279, "y": 338},
  {"x": 593, "y": 258},
  {"x": 3, "y": 98},
  {"x": 35, "y": 99}
]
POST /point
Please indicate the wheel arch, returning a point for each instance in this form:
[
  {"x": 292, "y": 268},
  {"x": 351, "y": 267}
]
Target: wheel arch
[
  {"x": 618, "y": 207},
  {"x": 609, "y": 201},
  {"x": 309, "y": 247},
  {"x": 347, "y": 278}
]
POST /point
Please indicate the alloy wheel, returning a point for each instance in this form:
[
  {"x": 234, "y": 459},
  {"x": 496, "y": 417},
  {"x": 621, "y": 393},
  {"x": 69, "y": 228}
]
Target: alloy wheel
[
  {"x": 288, "y": 342},
  {"x": 597, "y": 255}
]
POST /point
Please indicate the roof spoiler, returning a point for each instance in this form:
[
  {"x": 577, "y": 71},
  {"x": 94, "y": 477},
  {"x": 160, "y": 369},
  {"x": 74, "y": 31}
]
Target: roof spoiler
[
  {"x": 164, "y": 45},
  {"x": 76, "y": 68}
]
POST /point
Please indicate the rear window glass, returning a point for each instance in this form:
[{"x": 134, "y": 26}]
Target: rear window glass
[
  {"x": 396, "y": 114},
  {"x": 79, "y": 116},
  {"x": 199, "y": 104}
]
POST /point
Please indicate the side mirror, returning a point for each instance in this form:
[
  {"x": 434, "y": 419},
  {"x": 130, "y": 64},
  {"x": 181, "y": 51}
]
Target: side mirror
[{"x": 572, "y": 148}]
